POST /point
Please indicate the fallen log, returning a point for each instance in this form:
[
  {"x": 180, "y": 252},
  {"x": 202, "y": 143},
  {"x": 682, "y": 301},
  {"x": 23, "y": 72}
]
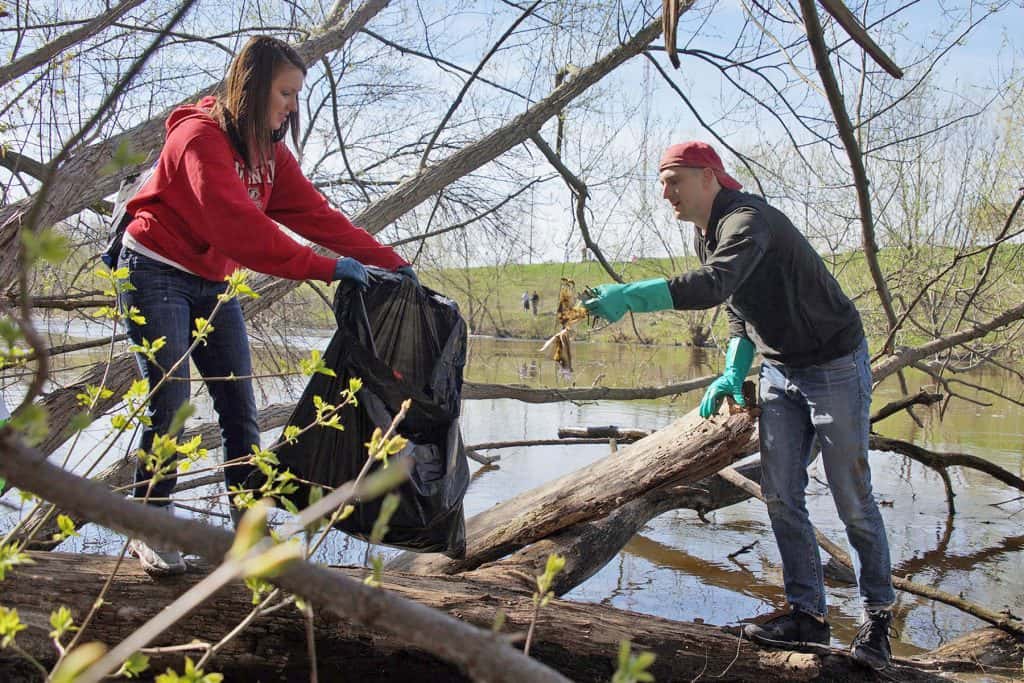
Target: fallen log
[
  {"x": 988, "y": 649},
  {"x": 609, "y": 432},
  {"x": 687, "y": 450},
  {"x": 589, "y": 546},
  {"x": 578, "y": 640},
  {"x": 473, "y": 650}
]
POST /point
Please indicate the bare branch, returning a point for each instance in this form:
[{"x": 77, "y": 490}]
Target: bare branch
[{"x": 53, "y": 48}]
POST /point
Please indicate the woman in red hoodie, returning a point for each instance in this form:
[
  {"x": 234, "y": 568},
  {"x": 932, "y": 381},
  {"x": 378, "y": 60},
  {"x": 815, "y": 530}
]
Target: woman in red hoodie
[{"x": 224, "y": 180}]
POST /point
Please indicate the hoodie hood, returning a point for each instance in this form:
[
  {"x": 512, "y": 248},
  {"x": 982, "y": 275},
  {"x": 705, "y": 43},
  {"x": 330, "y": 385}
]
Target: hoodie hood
[{"x": 189, "y": 112}]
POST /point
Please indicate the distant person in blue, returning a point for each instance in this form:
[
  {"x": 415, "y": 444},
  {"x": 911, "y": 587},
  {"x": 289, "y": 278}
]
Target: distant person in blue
[{"x": 815, "y": 382}]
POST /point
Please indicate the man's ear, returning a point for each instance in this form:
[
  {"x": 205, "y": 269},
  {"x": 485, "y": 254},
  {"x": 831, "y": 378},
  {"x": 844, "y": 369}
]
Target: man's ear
[{"x": 707, "y": 177}]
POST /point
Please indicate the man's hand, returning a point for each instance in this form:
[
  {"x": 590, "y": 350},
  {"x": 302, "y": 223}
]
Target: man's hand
[
  {"x": 612, "y": 301},
  {"x": 738, "y": 358},
  {"x": 349, "y": 269}
]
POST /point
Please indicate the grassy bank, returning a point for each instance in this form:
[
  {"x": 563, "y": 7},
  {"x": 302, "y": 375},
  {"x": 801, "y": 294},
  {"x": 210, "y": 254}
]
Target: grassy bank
[{"x": 491, "y": 298}]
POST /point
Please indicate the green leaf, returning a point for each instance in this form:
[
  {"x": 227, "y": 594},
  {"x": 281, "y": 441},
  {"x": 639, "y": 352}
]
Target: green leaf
[
  {"x": 191, "y": 675},
  {"x": 273, "y": 561},
  {"x": 11, "y": 556},
  {"x": 203, "y": 330},
  {"x": 79, "y": 421},
  {"x": 67, "y": 528},
  {"x": 10, "y": 626},
  {"x": 61, "y": 621},
  {"x": 134, "y": 666},
  {"x": 184, "y": 412},
  {"x": 377, "y": 573},
  {"x": 290, "y": 433}
]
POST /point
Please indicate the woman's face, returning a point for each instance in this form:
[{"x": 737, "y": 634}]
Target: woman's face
[{"x": 284, "y": 95}]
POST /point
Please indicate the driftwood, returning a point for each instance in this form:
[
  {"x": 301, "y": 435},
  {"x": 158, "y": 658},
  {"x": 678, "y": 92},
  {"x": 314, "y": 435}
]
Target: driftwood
[
  {"x": 687, "y": 450},
  {"x": 578, "y": 640},
  {"x": 610, "y": 432}
]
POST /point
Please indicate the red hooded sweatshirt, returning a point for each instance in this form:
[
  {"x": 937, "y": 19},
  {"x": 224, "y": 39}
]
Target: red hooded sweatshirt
[{"x": 202, "y": 209}]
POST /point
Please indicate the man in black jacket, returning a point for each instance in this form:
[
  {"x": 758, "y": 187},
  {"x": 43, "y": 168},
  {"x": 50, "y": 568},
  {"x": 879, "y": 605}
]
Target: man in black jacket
[{"x": 815, "y": 381}]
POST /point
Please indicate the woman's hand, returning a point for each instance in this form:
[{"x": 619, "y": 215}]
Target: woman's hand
[
  {"x": 349, "y": 269},
  {"x": 407, "y": 271}
]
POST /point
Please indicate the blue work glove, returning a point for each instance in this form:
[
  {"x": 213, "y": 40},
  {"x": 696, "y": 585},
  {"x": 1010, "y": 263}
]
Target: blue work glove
[
  {"x": 738, "y": 357},
  {"x": 409, "y": 273},
  {"x": 349, "y": 269},
  {"x": 612, "y": 301}
]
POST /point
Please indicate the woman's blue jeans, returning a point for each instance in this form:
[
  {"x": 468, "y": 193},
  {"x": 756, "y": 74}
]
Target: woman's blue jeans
[
  {"x": 830, "y": 402},
  {"x": 170, "y": 300}
]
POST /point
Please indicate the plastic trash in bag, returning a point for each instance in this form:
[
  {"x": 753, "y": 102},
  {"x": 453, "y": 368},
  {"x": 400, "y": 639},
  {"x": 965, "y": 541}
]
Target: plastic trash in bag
[{"x": 403, "y": 341}]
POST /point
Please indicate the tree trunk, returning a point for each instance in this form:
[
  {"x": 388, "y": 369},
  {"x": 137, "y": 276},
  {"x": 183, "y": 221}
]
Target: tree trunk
[{"x": 579, "y": 640}]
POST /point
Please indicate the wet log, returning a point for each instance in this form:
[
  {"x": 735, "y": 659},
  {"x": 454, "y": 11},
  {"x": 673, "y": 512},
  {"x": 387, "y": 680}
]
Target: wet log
[
  {"x": 989, "y": 649},
  {"x": 607, "y": 432},
  {"x": 686, "y": 451},
  {"x": 474, "y": 650},
  {"x": 579, "y": 640},
  {"x": 589, "y": 546}
]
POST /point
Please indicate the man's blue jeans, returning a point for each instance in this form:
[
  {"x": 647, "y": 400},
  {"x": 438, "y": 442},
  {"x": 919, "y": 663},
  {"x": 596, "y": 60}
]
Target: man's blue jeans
[
  {"x": 830, "y": 401},
  {"x": 170, "y": 300}
]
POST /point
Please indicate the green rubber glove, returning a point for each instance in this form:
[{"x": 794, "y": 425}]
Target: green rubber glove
[
  {"x": 738, "y": 357},
  {"x": 612, "y": 301}
]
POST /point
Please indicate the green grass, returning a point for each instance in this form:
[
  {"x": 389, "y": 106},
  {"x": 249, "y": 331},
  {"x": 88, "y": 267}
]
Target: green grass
[{"x": 491, "y": 298}]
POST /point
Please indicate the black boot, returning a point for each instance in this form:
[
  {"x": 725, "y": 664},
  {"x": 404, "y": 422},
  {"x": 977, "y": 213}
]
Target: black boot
[
  {"x": 871, "y": 645},
  {"x": 795, "y": 628}
]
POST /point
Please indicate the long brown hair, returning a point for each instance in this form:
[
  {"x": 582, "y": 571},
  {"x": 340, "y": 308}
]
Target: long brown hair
[{"x": 241, "y": 109}]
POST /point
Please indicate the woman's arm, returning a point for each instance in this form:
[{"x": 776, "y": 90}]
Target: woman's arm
[
  {"x": 295, "y": 202},
  {"x": 220, "y": 210}
]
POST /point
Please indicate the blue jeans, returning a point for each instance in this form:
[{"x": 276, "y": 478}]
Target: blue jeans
[
  {"x": 170, "y": 300},
  {"x": 830, "y": 402}
]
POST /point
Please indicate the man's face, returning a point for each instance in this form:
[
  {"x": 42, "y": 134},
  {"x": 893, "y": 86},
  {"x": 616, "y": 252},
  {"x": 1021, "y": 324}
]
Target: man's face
[{"x": 684, "y": 189}]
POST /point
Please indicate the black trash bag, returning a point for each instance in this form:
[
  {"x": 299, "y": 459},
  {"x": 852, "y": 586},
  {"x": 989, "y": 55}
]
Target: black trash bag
[{"x": 403, "y": 341}]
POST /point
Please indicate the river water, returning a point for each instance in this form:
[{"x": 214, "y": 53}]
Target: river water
[{"x": 678, "y": 566}]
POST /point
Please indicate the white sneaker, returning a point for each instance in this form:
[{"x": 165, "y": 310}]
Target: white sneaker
[{"x": 157, "y": 562}]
